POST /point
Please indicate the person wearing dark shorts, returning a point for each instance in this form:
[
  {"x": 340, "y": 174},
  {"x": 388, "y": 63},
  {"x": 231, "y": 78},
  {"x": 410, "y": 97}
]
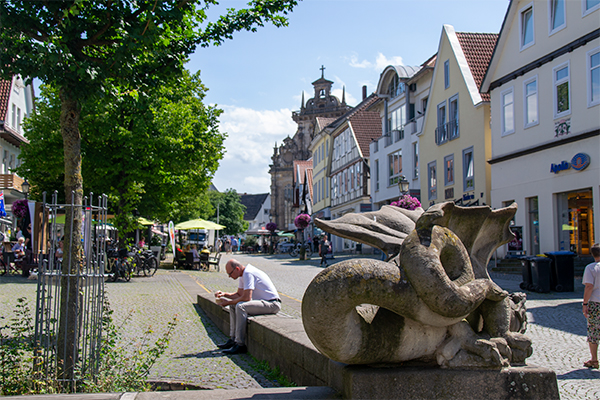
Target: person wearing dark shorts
[{"x": 591, "y": 305}]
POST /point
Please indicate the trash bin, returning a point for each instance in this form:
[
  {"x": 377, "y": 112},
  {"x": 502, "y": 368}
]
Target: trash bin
[
  {"x": 562, "y": 278},
  {"x": 541, "y": 274},
  {"x": 527, "y": 283}
]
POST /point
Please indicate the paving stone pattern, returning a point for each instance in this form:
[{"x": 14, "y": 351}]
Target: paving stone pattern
[{"x": 556, "y": 324}]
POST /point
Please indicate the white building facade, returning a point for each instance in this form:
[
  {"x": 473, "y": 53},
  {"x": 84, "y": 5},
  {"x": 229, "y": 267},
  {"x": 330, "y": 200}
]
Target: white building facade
[{"x": 544, "y": 84}]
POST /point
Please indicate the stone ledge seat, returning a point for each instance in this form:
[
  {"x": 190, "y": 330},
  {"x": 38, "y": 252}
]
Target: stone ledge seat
[{"x": 281, "y": 341}]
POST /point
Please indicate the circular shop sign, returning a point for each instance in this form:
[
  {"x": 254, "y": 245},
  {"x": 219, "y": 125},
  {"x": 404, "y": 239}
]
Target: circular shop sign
[{"x": 580, "y": 161}]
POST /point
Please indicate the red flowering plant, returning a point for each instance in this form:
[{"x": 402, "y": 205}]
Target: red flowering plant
[
  {"x": 271, "y": 226},
  {"x": 407, "y": 202},
  {"x": 20, "y": 208},
  {"x": 302, "y": 220}
]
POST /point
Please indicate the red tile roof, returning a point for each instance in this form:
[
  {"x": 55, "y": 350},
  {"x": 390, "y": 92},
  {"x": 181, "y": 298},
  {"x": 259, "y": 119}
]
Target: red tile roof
[
  {"x": 366, "y": 126},
  {"x": 478, "y": 49},
  {"x": 4, "y": 95},
  {"x": 300, "y": 167}
]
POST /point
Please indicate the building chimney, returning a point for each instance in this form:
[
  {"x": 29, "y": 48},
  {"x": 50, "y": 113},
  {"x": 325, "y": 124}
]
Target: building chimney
[{"x": 364, "y": 92}]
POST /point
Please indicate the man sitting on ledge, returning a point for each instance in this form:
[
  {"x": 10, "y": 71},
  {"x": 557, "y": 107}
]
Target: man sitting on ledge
[{"x": 256, "y": 295}]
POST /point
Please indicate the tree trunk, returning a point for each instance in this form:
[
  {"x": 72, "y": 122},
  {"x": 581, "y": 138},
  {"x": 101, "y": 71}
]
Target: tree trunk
[{"x": 70, "y": 307}]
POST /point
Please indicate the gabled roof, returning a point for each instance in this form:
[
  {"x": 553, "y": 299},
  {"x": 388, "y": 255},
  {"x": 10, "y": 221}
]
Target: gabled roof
[
  {"x": 365, "y": 124},
  {"x": 309, "y": 181},
  {"x": 300, "y": 167},
  {"x": 253, "y": 203},
  {"x": 478, "y": 49},
  {"x": 5, "y": 86}
]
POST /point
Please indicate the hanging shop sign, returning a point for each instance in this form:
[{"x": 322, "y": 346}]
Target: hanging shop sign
[{"x": 579, "y": 162}]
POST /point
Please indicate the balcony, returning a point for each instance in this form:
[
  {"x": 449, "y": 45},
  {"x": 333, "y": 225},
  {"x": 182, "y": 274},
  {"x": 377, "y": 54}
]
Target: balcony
[
  {"x": 11, "y": 181},
  {"x": 448, "y": 131}
]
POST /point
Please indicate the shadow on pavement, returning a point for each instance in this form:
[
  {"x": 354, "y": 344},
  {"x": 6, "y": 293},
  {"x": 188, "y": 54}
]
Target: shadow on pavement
[
  {"x": 565, "y": 317},
  {"x": 583, "y": 373},
  {"x": 203, "y": 354}
]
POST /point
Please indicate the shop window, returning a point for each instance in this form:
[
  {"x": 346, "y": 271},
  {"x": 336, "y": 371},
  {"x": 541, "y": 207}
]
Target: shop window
[
  {"x": 534, "y": 225},
  {"x": 575, "y": 221}
]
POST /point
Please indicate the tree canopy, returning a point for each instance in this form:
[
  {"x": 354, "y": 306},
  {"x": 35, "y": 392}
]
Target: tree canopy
[
  {"x": 153, "y": 152},
  {"x": 231, "y": 211}
]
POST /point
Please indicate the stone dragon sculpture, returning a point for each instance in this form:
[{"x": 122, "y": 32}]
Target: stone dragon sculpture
[{"x": 432, "y": 301}]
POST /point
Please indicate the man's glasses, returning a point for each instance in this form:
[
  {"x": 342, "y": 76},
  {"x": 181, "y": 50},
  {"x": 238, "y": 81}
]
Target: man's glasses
[{"x": 229, "y": 273}]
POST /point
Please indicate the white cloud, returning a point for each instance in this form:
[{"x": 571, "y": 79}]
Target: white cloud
[
  {"x": 380, "y": 63},
  {"x": 249, "y": 147}
]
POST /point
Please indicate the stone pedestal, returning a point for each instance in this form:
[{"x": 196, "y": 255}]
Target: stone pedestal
[{"x": 528, "y": 382}]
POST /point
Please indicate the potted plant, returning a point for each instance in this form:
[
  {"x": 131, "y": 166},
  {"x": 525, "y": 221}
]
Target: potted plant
[{"x": 301, "y": 221}]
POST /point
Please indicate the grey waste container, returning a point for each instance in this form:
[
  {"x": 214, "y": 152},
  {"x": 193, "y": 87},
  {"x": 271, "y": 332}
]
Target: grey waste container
[
  {"x": 562, "y": 278},
  {"x": 541, "y": 274},
  {"x": 527, "y": 283}
]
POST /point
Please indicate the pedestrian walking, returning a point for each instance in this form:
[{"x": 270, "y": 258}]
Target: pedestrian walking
[
  {"x": 256, "y": 295},
  {"x": 324, "y": 248},
  {"x": 591, "y": 305}
]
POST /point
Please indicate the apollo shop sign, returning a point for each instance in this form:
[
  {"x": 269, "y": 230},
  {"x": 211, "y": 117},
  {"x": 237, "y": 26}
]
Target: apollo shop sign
[{"x": 579, "y": 162}]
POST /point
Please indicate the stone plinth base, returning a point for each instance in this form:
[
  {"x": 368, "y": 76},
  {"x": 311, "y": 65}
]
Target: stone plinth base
[{"x": 361, "y": 382}]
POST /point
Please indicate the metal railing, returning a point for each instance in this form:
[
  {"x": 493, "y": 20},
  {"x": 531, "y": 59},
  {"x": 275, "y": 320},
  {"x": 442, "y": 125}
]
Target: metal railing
[
  {"x": 70, "y": 293},
  {"x": 448, "y": 131}
]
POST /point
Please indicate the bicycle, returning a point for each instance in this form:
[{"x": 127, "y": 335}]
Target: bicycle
[
  {"x": 145, "y": 261},
  {"x": 295, "y": 251},
  {"x": 120, "y": 267}
]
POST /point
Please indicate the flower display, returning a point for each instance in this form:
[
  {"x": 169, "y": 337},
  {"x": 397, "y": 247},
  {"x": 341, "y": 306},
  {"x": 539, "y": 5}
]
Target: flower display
[
  {"x": 271, "y": 226},
  {"x": 302, "y": 220},
  {"x": 20, "y": 208},
  {"x": 407, "y": 202}
]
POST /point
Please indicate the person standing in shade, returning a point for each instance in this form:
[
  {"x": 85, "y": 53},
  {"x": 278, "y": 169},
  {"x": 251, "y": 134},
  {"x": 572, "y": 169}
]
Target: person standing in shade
[
  {"x": 591, "y": 305},
  {"x": 324, "y": 249},
  {"x": 256, "y": 295}
]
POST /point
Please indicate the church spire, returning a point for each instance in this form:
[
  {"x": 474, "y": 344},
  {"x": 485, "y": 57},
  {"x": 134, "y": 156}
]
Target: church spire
[
  {"x": 344, "y": 95},
  {"x": 302, "y": 106}
]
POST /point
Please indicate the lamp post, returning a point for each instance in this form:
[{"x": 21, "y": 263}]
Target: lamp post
[
  {"x": 403, "y": 185},
  {"x": 25, "y": 188}
]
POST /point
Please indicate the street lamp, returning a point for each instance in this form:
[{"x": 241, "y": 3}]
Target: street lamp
[
  {"x": 403, "y": 185},
  {"x": 25, "y": 188}
]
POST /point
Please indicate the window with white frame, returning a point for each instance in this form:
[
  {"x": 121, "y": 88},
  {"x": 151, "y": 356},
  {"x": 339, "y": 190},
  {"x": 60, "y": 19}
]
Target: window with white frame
[
  {"x": 468, "y": 170},
  {"x": 376, "y": 174},
  {"x": 593, "y": 68},
  {"x": 589, "y": 6},
  {"x": 334, "y": 188},
  {"x": 446, "y": 74},
  {"x": 357, "y": 174},
  {"x": 526, "y": 27},
  {"x": 508, "y": 111},
  {"x": 395, "y": 167},
  {"x": 14, "y": 116},
  {"x": 415, "y": 147},
  {"x": 562, "y": 95},
  {"x": 449, "y": 170},
  {"x": 18, "y": 119},
  {"x": 375, "y": 146},
  {"x": 351, "y": 178},
  {"x": 432, "y": 181},
  {"x": 557, "y": 19},
  {"x": 424, "y": 104},
  {"x": 530, "y": 102}
]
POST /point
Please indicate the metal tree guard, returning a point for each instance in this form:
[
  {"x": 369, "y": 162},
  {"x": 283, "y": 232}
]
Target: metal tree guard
[{"x": 55, "y": 287}]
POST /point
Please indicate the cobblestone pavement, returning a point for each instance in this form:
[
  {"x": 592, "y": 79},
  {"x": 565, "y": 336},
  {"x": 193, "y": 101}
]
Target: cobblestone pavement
[{"x": 556, "y": 324}]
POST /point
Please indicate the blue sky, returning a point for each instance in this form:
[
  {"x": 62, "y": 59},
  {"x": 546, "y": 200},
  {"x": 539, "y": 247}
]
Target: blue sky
[{"x": 258, "y": 78}]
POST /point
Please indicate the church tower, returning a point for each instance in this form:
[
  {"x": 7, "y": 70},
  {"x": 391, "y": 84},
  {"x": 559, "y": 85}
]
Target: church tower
[{"x": 322, "y": 104}]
